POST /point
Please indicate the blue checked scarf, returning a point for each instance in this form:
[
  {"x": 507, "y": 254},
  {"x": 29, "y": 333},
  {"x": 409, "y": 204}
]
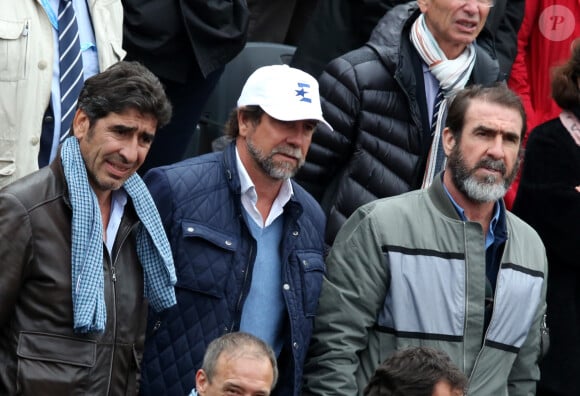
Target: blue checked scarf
[{"x": 90, "y": 314}]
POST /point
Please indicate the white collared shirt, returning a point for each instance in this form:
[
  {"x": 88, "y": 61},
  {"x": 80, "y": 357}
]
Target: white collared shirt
[{"x": 250, "y": 198}]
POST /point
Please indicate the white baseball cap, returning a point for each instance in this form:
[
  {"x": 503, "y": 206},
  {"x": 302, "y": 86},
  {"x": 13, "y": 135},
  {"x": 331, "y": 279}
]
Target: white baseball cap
[{"x": 285, "y": 93}]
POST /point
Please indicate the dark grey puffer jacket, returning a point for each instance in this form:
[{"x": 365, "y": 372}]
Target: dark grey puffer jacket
[{"x": 377, "y": 106}]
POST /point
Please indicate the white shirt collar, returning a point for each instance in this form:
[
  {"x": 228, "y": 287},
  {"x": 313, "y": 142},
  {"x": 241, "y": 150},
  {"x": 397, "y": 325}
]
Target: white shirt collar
[{"x": 250, "y": 198}]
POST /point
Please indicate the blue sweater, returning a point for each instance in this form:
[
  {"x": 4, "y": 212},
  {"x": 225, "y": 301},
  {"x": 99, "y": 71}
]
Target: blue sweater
[{"x": 263, "y": 314}]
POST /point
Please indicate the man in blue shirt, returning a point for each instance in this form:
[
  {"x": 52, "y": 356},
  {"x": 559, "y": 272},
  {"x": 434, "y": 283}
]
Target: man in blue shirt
[{"x": 247, "y": 240}]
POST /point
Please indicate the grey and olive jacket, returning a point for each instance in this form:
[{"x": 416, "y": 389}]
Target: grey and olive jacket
[{"x": 407, "y": 271}]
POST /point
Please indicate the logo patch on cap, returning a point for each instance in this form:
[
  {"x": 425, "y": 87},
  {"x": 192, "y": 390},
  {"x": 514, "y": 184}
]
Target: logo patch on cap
[{"x": 301, "y": 92}]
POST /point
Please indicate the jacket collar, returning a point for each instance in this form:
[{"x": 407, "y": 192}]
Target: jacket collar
[
  {"x": 231, "y": 169},
  {"x": 60, "y": 180},
  {"x": 440, "y": 199}
]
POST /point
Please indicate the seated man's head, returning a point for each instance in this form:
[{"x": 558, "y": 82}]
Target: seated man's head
[
  {"x": 237, "y": 364},
  {"x": 277, "y": 113},
  {"x": 455, "y": 24},
  {"x": 418, "y": 371},
  {"x": 118, "y": 114}
]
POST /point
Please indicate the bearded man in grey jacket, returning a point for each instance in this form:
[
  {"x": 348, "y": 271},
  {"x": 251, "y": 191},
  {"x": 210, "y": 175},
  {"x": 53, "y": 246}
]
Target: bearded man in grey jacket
[{"x": 446, "y": 267}]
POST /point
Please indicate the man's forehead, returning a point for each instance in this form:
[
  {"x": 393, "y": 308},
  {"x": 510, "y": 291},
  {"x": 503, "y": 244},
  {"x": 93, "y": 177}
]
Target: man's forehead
[
  {"x": 480, "y": 107},
  {"x": 494, "y": 116}
]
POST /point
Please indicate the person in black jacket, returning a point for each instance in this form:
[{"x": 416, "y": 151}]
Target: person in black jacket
[
  {"x": 380, "y": 99},
  {"x": 279, "y": 21},
  {"x": 339, "y": 26},
  {"x": 186, "y": 44}
]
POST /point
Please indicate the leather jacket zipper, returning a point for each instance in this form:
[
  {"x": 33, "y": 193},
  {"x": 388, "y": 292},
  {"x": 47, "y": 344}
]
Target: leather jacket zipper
[
  {"x": 112, "y": 263},
  {"x": 114, "y": 319}
]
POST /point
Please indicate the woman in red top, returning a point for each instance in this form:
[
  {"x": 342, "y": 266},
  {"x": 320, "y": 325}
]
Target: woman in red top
[{"x": 544, "y": 40}]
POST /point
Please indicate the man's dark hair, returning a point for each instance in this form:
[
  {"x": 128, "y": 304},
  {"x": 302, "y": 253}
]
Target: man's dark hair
[
  {"x": 497, "y": 93},
  {"x": 565, "y": 80},
  {"x": 124, "y": 86},
  {"x": 414, "y": 372},
  {"x": 254, "y": 113}
]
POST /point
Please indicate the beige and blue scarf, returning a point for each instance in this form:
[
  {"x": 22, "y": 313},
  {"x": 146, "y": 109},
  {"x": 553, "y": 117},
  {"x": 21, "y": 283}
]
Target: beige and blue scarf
[{"x": 452, "y": 75}]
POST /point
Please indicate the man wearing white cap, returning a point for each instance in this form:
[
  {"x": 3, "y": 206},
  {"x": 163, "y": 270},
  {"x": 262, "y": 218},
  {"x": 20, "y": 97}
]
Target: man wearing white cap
[{"x": 247, "y": 241}]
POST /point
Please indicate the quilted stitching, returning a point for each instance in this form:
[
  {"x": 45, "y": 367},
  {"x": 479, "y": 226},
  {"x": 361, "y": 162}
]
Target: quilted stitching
[{"x": 211, "y": 278}]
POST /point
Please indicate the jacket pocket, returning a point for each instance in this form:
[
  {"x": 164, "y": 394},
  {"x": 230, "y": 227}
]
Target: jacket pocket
[
  {"x": 42, "y": 355},
  {"x": 312, "y": 265},
  {"x": 13, "y": 46},
  {"x": 7, "y": 156},
  {"x": 207, "y": 259}
]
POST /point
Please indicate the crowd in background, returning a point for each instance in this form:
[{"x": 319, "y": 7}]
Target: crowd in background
[{"x": 386, "y": 73}]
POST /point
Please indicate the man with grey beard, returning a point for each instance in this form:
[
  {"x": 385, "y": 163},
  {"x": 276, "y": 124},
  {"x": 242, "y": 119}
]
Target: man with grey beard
[
  {"x": 446, "y": 267},
  {"x": 247, "y": 241}
]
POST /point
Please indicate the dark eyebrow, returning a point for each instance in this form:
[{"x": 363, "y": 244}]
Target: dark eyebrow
[
  {"x": 124, "y": 129},
  {"x": 121, "y": 128},
  {"x": 149, "y": 135},
  {"x": 513, "y": 134},
  {"x": 483, "y": 128}
]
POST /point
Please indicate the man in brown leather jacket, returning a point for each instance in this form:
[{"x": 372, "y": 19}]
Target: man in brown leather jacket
[{"x": 81, "y": 244}]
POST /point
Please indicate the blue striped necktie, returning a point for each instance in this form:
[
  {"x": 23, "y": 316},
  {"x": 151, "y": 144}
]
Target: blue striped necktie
[
  {"x": 440, "y": 156},
  {"x": 71, "y": 65}
]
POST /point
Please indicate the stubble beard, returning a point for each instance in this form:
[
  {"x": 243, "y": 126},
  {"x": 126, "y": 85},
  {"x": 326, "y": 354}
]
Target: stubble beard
[{"x": 278, "y": 170}]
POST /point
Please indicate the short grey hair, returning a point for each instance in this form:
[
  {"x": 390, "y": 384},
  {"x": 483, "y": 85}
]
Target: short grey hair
[{"x": 237, "y": 343}]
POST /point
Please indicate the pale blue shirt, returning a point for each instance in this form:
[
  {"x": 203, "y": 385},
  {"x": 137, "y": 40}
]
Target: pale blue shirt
[
  {"x": 118, "y": 202},
  {"x": 89, "y": 54},
  {"x": 250, "y": 198},
  {"x": 264, "y": 309}
]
